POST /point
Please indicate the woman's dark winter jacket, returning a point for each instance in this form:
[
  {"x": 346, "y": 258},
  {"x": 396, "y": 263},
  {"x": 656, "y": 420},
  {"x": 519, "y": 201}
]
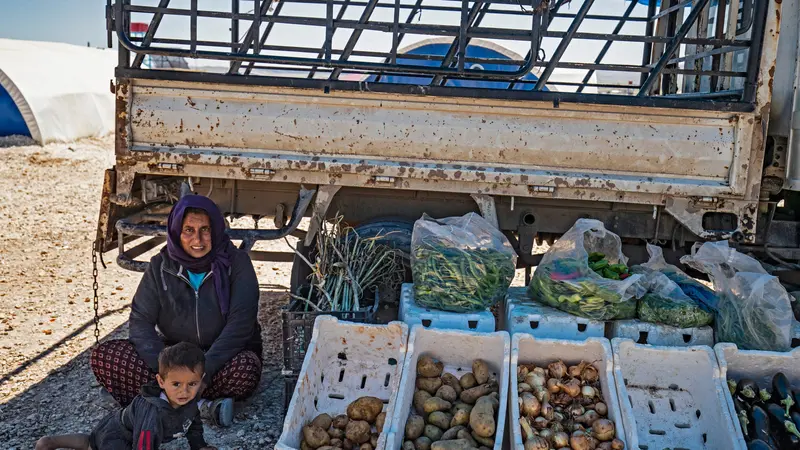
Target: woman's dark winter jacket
[
  {"x": 165, "y": 299},
  {"x": 148, "y": 422}
]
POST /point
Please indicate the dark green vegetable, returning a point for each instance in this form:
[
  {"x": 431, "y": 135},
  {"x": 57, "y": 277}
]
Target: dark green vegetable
[
  {"x": 758, "y": 444},
  {"x": 744, "y": 420},
  {"x": 460, "y": 279},
  {"x": 765, "y": 395},
  {"x": 748, "y": 389},
  {"x": 796, "y": 396},
  {"x": 781, "y": 393},
  {"x": 681, "y": 314},
  {"x": 761, "y": 425},
  {"x": 780, "y": 422}
]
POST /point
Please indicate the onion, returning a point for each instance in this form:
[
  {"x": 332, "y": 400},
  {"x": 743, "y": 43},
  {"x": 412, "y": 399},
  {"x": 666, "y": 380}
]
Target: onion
[
  {"x": 603, "y": 429},
  {"x": 556, "y": 427},
  {"x": 540, "y": 423},
  {"x": 617, "y": 444},
  {"x": 575, "y": 410},
  {"x": 524, "y": 387},
  {"x": 547, "y": 411},
  {"x": 527, "y": 431},
  {"x": 589, "y": 374},
  {"x": 522, "y": 372},
  {"x": 588, "y": 391},
  {"x": 604, "y": 446},
  {"x": 535, "y": 380},
  {"x": 579, "y": 441},
  {"x": 588, "y": 418},
  {"x": 557, "y": 369},
  {"x": 559, "y": 417},
  {"x": 574, "y": 371},
  {"x": 601, "y": 408},
  {"x": 530, "y": 405},
  {"x": 547, "y": 434},
  {"x": 553, "y": 386},
  {"x": 560, "y": 439},
  {"x": 542, "y": 394},
  {"x": 578, "y": 427},
  {"x": 537, "y": 443},
  {"x": 572, "y": 387},
  {"x": 539, "y": 371}
]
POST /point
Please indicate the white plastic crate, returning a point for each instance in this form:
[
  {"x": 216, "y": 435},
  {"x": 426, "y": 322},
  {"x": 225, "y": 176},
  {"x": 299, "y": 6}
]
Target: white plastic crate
[
  {"x": 522, "y": 316},
  {"x": 658, "y": 334},
  {"x": 345, "y": 361},
  {"x": 672, "y": 397},
  {"x": 413, "y": 314},
  {"x": 526, "y": 349},
  {"x": 758, "y": 366},
  {"x": 457, "y": 349}
]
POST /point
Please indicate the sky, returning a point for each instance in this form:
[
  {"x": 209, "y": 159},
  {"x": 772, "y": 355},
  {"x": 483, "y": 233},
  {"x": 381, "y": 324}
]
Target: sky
[{"x": 71, "y": 21}]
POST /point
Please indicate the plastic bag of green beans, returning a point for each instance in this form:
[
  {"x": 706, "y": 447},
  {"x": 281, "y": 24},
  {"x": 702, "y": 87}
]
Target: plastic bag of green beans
[{"x": 460, "y": 264}]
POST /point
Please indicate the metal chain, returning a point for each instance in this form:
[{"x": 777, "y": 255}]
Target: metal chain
[{"x": 95, "y": 287}]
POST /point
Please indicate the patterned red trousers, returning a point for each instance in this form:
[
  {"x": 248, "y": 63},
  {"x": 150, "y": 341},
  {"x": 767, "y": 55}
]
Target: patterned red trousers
[{"x": 118, "y": 367}]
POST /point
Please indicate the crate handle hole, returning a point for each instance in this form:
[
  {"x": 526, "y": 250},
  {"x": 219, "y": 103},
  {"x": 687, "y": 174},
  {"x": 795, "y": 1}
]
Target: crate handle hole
[
  {"x": 697, "y": 413},
  {"x": 342, "y": 356},
  {"x": 472, "y": 324},
  {"x": 315, "y": 402},
  {"x": 683, "y": 426},
  {"x": 364, "y": 382},
  {"x": 392, "y": 362},
  {"x": 630, "y": 401},
  {"x": 705, "y": 438},
  {"x": 658, "y": 432},
  {"x": 674, "y": 387},
  {"x": 625, "y": 380},
  {"x": 795, "y": 342},
  {"x": 322, "y": 378},
  {"x": 426, "y": 323},
  {"x": 672, "y": 404},
  {"x": 687, "y": 338},
  {"x": 534, "y": 324},
  {"x": 643, "y": 447},
  {"x": 335, "y": 396},
  {"x": 341, "y": 375},
  {"x": 581, "y": 327},
  {"x": 651, "y": 406},
  {"x": 642, "y": 337},
  {"x": 386, "y": 380}
]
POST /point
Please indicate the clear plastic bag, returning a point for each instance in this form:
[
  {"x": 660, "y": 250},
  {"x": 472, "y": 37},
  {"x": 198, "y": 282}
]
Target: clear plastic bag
[
  {"x": 460, "y": 264},
  {"x": 564, "y": 279},
  {"x": 754, "y": 310},
  {"x": 695, "y": 290}
]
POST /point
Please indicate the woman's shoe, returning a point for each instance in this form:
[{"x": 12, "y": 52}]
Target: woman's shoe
[{"x": 219, "y": 412}]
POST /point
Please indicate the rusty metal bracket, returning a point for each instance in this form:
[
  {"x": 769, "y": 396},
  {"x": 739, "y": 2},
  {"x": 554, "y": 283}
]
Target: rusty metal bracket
[
  {"x": 689, "y": 212},
  {"x": 487, "y": 208},
  {"x": 321, "y": 205}
]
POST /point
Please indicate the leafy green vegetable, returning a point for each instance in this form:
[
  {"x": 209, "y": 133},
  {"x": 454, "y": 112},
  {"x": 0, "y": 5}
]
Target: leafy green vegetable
[{"x": 682, "y": 314}]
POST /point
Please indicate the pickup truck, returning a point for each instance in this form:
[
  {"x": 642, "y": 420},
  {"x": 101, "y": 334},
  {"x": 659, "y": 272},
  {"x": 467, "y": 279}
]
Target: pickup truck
[{"x": 653, "y": 116}]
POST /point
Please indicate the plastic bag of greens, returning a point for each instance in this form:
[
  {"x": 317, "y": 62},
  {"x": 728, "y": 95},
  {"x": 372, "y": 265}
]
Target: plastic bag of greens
[
  {"x": 460, "y": 264},
  {"x": 585, "y": 273},
  {"x": 666, "y": 303},
  {"x": 694, "y": 289},
  {"x": 754, "y": 310}
]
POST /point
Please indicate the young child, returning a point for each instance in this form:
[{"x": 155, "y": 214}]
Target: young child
[{"x": 156, "y": 416}]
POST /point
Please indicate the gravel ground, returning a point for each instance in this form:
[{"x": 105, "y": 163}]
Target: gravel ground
[{"x": 48, "y": 210}]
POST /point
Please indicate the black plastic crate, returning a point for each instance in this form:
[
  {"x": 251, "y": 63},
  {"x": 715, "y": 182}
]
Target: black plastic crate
[
  {"x": 289, "y": 382},
  {"x": 298, "y": 326}
]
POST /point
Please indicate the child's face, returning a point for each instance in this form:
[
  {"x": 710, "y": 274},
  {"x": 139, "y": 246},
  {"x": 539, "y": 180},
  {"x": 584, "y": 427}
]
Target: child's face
[{"x": 181, "y": 384}]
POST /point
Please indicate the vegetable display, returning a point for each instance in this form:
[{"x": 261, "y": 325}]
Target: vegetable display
[
  {"x": 460, "y": 264},
  {"x": 358, "y": 429},
  {"x": 449, "y": 413},
  {"x": 562, "y": 407},
  {"x": 585, "y": 273},
  {"x": 753, "y": 309},
  {"x": 769, "y": 417}
]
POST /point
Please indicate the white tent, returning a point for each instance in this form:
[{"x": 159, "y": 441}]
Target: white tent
[{"x": 61, "y": 91}]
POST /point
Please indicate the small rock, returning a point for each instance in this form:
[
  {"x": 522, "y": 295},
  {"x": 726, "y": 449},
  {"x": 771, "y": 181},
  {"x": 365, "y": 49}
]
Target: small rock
[{"x": 240, "y": 433}]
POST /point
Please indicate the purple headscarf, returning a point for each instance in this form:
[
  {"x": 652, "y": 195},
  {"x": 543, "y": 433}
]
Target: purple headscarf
[{"x": 218, "y": 260}]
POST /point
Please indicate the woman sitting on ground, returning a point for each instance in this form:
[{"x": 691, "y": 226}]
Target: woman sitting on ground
[{"x": 201, "y": 289}]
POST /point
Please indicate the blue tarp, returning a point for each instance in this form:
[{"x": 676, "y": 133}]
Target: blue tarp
[
  {"x": 11, "y": 121},
  {"x": 473, "y": 51}
]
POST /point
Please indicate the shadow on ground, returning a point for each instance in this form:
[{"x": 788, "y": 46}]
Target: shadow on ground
[{"x": 67, "y": 400}]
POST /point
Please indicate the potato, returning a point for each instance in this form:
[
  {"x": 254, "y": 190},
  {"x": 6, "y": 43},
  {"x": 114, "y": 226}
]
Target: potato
[
  {"x": 440, "y": 419},
  {"x": 430, "y": 385},
  {"x": 423, "y": 443},
  {"x": 337, "y": 443},
  {"x": 304, "y": 446},
  {"x": 414, "y": 427},
  {"x": 472, "y": 395},
  {"x": 348, "y": 444},
  {"x": 450, "y": 380},
  {"x": 462, "y": 405},
  {"x": 327, "y": 447},
  {"x": 489, "y": 442},
  {"x": 357, "y": 431},
  {"x": 429, "y": 367},
  {"x": 464, "y": 434},
  {"x": 447, "y": 393},
  {"x": 433, "y": 432},
  {"x": 419, "y": 400},
  {"x": 467, "y": 381},
  {"x": 379, "y": 421},
  {"x": 407, "y": 445},
  {"x": 455, "y": 444},
  {"x": 315, "y": 436},
  {"x": 340, "y": 421},
  {"x": 373, "y": 439},
  {"x": 435, "y": 404},
  {"x": 452, "y": 433},
  {"x": 323, "y": 421},
  {"x": 461, "y": 417},
  {"x": 481, "y": 419},
  {"x": 365, "y": 408},
  {"x": 481, "y": 371},
  {"x": 495, "y": 400},
  {"x": 365, "y": 446},
  {"x": 336, "y": 433}
]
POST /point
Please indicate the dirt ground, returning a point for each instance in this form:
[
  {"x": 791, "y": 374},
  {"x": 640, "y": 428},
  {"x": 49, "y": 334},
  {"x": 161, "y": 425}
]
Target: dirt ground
[{"x": 49, "y": 198}]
